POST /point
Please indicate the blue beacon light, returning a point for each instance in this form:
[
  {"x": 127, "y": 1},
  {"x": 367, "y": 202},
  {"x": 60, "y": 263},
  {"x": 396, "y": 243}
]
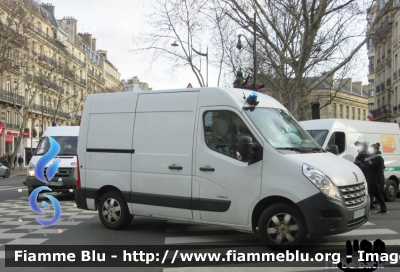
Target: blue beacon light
[{"x": 252, "y": 99}]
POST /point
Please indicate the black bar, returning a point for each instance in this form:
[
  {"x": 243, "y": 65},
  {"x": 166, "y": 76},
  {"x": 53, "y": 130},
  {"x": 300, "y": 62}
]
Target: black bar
[
  {"x": 207, "y": 169},
  {"x": 180, "y": 202},
  {"x": 102, "y": 150},
  {"x": 174, "y": 167}
]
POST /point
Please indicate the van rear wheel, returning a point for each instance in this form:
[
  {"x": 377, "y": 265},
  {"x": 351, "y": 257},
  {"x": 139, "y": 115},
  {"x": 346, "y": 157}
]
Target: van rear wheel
[
  {"x": 113, "y": 211},
  {"x": 282, "y": 226},
  {"x": 390, "y": 192}
]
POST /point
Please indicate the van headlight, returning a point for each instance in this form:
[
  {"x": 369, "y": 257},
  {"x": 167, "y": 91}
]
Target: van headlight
[
  {"x": 321, "y": 181},
  {"x": 31, "y": 170}
]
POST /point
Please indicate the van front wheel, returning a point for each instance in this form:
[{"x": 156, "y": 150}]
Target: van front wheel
[
  {"x": 281, "y": 226},
  {"x": 113, "y": 211}
]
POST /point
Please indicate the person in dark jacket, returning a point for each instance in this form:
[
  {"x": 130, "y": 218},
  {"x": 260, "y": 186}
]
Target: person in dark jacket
[
  {"x": 375, "y": 165},
  {"x": 362, "y": 155}
]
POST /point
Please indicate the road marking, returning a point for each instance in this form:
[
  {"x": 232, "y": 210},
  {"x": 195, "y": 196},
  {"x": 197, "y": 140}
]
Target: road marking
[
  {"x": 13, "y": 188},
  {"x": 367, "y": 232},
  {"x": 12, "y": 235},
  {"x": 210, "y": 238},
  {"x": 188, "y": 227},
  {"x": 369, "y": 224},
  {"x": 48, "y": 231},
  {"x": 28, "y": 241}
]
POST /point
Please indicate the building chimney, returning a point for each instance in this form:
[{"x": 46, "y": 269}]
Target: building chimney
[
  {"x": 87, "y": 37},
  {"x": 103, "y": 53},
  {"x": 94, "y": 44},
  {"x": 70, "y": 25},
  {"x": 49, "y": 7}
]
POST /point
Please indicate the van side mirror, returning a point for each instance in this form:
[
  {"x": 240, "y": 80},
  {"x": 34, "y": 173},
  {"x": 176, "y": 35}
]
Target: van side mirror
[
  {"x": 333, "y": 149},
  {"x": 245, "y": 148}
]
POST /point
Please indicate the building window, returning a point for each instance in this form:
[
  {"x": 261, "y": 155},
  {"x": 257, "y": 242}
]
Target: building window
[
  {"x": 371, "y": 65},
  {"x": 371, "y": 88},
  {"x": 379, "y": 103},
  {"x": 371, "y": 106},
  {"x": 341, "y": 111},
  {"x": 16, "y": 118},
  {"x": 8, "y": 87},
  {"x": 347, "y": 112},
  {"x": 364, "y": 117},
  {"x": 352, "y": 113},
  {"x": 334, "y": 110},
  {"x": 8, "y": 117}
]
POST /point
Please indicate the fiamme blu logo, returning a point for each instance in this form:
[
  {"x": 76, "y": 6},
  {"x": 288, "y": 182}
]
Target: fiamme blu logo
[{"x": 40, "y": 175}]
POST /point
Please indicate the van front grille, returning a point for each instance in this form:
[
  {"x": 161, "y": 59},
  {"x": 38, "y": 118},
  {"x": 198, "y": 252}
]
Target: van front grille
[
  {"x": 61, "y": 173},
  {"x": 353, "y": 195},
  {"x": 358, "y": 221}
]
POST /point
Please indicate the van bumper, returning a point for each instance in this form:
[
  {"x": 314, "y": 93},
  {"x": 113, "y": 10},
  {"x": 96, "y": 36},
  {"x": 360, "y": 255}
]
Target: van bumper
[
  {"x": 67, "y": 184},
  {"x": 325, "y": 216}
]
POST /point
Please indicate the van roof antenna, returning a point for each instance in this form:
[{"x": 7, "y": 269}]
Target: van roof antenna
[{"x": 244, "y": 97}]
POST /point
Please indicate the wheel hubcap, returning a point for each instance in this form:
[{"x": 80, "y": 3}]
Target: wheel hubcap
[
  {"x": 391, "y": 190},
  {"x": 283, "y": 229},
  {"x": 111, "y": 210}
]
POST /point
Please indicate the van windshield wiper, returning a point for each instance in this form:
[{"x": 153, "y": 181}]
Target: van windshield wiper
[{"x": 301, "y": 149}]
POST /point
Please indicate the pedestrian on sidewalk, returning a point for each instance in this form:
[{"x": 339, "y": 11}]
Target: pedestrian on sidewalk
[
  {"x": 21, "y": 162},
  {"x": 375, "y": 165},
  {"x": 15, "y": 162}
]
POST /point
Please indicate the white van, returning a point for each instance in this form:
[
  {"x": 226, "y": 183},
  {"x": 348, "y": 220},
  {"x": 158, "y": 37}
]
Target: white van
[
  {"x": 64, "y": 180},
  {"x": 213, "y": 156},
  {"x": 340, "y": 133}
]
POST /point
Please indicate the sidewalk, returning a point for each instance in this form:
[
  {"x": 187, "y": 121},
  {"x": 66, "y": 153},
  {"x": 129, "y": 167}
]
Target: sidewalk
[{"x": 17, "y": 172}]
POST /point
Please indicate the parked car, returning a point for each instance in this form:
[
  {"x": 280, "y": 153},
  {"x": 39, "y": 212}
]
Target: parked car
[
  {"x": 4, "y": 171},
  {"x": 221, "y": 156},
  {"x": 340, "y": 135}
]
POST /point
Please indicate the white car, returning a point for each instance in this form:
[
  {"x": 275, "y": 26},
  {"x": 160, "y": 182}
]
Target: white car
[{"x": 4, "y": 171}]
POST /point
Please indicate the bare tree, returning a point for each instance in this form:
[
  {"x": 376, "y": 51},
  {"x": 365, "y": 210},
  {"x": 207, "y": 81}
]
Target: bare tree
[
  {"x": 186, "y": 24},
  {"x": 302, "y": 38}
]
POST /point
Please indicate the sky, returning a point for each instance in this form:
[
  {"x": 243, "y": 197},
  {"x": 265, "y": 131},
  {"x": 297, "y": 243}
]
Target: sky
[{"x": 113, "y": 23}]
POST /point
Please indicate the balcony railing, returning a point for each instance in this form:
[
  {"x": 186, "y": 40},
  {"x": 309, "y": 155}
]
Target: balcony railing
[
  {"x": 40, "y": 32},
  {"x": 371, "y": 71},
  {"x": 385, "y": 26},
  {"x": 382, "y": 86},
  {"x": 382, "y": 111},
  {"x": 388, "y": 82},
  {"x": 12, "y": 97},
  {"x": 48, "y": 60},
  {"x": 377, "y": 89},
  {"x": 395, "y": 75}
]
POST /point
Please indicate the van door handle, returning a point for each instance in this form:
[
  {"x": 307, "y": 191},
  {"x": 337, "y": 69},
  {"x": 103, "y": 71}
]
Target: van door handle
[
  {"x": 175, "y": 167},
  {"x": 207, "y": 168}
]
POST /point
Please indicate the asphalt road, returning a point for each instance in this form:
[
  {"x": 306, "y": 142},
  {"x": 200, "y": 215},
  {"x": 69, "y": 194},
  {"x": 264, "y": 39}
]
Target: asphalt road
[{"x": 78, "y": 227}]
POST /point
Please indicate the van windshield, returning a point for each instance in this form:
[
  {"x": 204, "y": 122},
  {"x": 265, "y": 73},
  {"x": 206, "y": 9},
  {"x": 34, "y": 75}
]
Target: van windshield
[
  {"x": 318, "y": 135},
  {"x": 281, "y": 130},
  {"x": 68, "y": 145}
]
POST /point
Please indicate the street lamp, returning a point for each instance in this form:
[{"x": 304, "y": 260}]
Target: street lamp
[
  {"x": 239, "y": 46},
  {"x": 174, "y": 44}
]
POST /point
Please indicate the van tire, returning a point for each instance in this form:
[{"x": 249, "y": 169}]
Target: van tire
[
  {"x": 279, "y": 213},
  {"x": 113, "y": 211},
  {"x": 390, "y": 192}
]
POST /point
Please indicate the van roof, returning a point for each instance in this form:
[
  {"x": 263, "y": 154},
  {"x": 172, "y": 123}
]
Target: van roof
[
  {"x": 62, "y": 131},
  {"x": 214, "y": 96},
  {"x": 351, "y": 126}
]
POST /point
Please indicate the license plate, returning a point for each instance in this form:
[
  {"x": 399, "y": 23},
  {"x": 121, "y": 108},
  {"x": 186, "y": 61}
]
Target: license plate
[
  {"x": 56, "y": 183},
  {"x": 359, "y": 213}
]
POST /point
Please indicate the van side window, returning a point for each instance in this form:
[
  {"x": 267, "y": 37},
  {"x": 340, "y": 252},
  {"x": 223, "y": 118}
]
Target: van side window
[
  {"x": 222, "y": 131},
  {"x": 338, "y": 138}
]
